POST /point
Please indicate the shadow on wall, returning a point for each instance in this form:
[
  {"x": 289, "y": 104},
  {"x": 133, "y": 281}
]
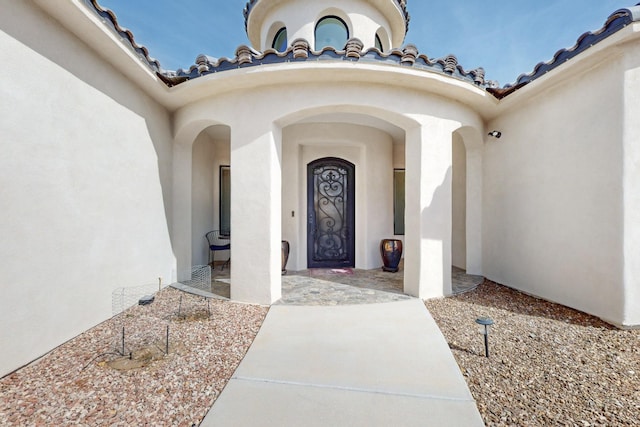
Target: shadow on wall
[
  {"x": 436, "y": 217},
  {"x": 33, "y": 28},
  {"x": 436, "y": 230}
]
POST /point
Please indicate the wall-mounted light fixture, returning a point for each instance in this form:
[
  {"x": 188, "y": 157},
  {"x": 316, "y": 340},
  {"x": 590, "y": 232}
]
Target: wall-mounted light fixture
[{"x": 495, "y": 133}]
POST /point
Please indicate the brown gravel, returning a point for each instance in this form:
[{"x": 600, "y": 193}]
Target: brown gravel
[
  {"x": 548, "y": 364},
  {"x": 71, "y": 386}
]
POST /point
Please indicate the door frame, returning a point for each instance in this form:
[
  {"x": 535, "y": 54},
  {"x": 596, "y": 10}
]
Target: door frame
[{"x": 349, "y": 220}]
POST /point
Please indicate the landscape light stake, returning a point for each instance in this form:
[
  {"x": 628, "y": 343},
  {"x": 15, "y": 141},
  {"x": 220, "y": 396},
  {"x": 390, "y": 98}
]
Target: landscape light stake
[
  {"x": 167, "y": 352},
  {"x": 485, "y": 325}
]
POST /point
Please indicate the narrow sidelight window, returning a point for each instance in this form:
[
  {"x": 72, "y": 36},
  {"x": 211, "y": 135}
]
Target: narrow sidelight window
[
  {"x": 225, "y": 200},
  {"x": 398, "y": 202}
]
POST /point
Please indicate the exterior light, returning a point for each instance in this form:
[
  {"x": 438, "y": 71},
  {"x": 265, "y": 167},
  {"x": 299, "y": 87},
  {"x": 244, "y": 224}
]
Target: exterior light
[
  {"x": 495, "y": 133},
  {"x": 485, "y": 326}
]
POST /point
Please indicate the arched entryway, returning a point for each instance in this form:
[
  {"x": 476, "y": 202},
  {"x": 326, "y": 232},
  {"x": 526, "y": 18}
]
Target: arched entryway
[{"x": 209, "y": 194}]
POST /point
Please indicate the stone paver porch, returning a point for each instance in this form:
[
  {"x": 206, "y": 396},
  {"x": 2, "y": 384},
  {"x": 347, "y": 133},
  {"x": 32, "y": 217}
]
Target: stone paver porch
[{"x": 343, "y": 286}]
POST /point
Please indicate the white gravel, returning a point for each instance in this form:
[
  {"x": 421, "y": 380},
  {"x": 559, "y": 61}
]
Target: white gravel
[
  {"x": 71, "y": 386},
  {"x": 549, "y": 365}
]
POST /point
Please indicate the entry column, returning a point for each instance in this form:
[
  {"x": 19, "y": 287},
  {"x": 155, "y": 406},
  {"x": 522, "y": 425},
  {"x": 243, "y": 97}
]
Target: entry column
[
  {"x": 255, "y": 212},
  {"x": 428, "y": 208}
]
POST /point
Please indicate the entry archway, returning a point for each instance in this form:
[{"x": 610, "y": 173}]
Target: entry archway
[{"x": 211, "y": 157}]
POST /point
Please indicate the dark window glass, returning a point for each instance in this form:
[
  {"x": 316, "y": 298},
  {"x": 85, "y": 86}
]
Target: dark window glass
[
  {"x": 331, "y": 31},
  {"x": 225, "y": 200},
  {"x": 398, "y": 201},
  {"x": 280, "y": 40},
  {"x": 379, "y": 43}
]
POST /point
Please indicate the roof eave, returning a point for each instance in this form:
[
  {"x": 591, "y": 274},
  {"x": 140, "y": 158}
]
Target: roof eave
[{"x": 115, "y": 45}]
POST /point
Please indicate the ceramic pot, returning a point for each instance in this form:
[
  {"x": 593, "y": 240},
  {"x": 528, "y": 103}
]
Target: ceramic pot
[
  {"x": 285, "y": 256},
  {"x": 391, "y": 253}
]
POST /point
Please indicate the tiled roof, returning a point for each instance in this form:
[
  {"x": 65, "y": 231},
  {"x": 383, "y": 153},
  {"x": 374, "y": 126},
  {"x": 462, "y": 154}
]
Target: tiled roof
[
  {"x": 616, "y": 21},
  {"x": 409, "y": 56},
  {"x": 126, "y": 36},
  {"x": 299, "y": 51},
  {"x": 402, "y": 5}
]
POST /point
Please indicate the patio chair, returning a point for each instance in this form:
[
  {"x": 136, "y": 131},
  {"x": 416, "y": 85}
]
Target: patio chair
[{"x": 218, "y": 242}]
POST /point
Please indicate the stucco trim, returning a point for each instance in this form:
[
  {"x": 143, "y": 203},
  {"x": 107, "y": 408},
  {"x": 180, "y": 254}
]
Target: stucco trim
[{"x": 300, "y": 51}]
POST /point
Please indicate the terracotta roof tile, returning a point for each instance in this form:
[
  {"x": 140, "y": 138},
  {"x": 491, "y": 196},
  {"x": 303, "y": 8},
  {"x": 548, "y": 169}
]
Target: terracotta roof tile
[{"x": 126, "y": 36}]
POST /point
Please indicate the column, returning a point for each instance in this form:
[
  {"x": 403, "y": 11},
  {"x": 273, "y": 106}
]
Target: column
[
  {"x": 428, "y": 208},
  {"x": 181, "y": 232},
  {"x": 255, "y": 212}
]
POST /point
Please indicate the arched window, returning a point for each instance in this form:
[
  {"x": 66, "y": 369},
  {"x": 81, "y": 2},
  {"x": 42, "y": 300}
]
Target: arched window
[
  {"x": 280, "y": 40},
  {"x": 331, "y": 31},
  {"x": 379, "y": 43}
]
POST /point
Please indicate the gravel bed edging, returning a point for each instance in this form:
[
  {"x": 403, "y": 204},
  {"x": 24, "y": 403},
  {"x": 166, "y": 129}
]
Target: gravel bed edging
[{"x": 548, "y": 364}]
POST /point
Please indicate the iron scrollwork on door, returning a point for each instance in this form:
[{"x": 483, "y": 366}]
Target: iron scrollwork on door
[
  {"x": 331, "y": 213},
  {"x": 330, "y": 199}
]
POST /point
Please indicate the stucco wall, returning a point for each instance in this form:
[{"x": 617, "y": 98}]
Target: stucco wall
[
  {"x": 553, "y": 195},
  {"x": 85, "y": 158},
  {"x": 631, "y": 179},
  {"x": 202, "y": 197},
  {"x": 459, "y": 204},
  {"x": 362, "y": 18}
]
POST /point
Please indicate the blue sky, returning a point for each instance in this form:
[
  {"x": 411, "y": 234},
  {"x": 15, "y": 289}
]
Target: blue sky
[{"x": 505, "y": 37}]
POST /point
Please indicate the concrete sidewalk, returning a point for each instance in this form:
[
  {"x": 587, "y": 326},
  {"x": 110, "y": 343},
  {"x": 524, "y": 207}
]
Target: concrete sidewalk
[{"x": 360, "y": 365}]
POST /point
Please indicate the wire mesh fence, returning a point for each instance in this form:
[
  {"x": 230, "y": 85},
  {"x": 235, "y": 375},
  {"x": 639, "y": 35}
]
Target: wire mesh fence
[
  {"x": 200, "y": 277},
  {"x": 141, "y": 325},
  {"x": 192, "y": 306},
  {"x": 124, "y": 298},
  {"x": 146, "y": 333},
  {"x": 136, "y": 326}
]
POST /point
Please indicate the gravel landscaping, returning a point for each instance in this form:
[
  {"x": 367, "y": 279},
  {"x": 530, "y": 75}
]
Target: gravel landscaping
[
  {"x": 548, "y": 364},
  {"x": 83, "y": 382}
]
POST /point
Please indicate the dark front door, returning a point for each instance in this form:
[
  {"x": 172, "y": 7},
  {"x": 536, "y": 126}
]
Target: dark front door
[{"x": 331, "y": 213}]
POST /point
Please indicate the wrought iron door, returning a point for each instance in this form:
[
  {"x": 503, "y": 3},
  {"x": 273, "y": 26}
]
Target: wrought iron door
[{"x": 331, "y": 213}]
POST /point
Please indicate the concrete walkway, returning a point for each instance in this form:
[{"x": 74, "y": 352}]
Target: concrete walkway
[{"x": 384, "y": 364}]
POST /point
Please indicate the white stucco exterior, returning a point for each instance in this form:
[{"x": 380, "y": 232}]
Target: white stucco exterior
[
  {"x": 304, "y": 131},
  {"x": 86, "y": 155},
  {"x": 110, "y": 172},
  {"x": 364, "y": 20},
  {"x": 630, "y": 182},
  {"x": 554, "y": 193}
]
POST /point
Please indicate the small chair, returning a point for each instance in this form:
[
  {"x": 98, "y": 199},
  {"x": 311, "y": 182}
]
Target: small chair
[{"x": 218, "y": 242}]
